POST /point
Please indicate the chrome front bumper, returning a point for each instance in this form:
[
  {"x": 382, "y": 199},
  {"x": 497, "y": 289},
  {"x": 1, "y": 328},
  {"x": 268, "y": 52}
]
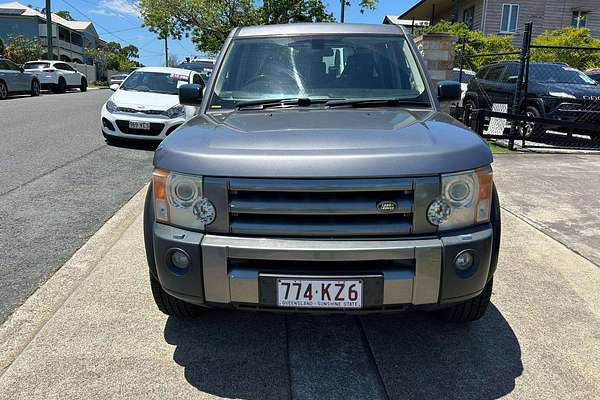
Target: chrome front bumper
[{"x": 213, "y": 280}]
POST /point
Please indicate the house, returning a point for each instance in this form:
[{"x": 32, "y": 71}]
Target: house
[
  {"x": 507, "y": 17},
  {"x": 70, "y": 38}
]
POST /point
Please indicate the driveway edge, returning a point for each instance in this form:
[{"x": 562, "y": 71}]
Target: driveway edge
[{"x": 25, "y": 323}]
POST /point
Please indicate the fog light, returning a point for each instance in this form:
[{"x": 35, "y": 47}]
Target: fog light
[
  {"x": 438, "y": 212},
  {"x": 180, "y": 259},
  {"x": 464, "y": 260}
]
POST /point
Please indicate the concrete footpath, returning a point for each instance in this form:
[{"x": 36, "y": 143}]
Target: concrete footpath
[{"x": 93, "y": 331}]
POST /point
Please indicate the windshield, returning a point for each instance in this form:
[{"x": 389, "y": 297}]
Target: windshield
[
  {"x": 155, "y": 82},
  {"x": 548, "y": 73},
  {"x": 205, "y": 69},
  {"x": 318, "y": 67},
  {"x": 36, "y": 65}
]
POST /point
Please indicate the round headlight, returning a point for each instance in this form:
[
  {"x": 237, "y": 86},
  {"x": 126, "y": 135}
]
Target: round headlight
[
  {"x": 459, "y": 191},
  {"x": 204, "y": 210},
  {"x": 438, "y": 212},
  {"x": 183, "y": 191},
  {"x": 464, "y": 260}
]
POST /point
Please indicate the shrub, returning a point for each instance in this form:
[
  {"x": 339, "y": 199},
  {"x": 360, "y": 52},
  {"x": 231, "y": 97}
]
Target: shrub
[{"x": 574, "y": 37}]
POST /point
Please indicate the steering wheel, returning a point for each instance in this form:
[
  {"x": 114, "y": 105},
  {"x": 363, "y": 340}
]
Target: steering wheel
[{"x": 281, "y": 81}]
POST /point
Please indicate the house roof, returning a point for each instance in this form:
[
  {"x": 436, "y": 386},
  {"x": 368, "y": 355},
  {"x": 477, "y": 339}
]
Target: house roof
[
  {"x": 15, "y": 8},
  {"x": 424, "y": 8},
  {"x": 396, "y": 20}
]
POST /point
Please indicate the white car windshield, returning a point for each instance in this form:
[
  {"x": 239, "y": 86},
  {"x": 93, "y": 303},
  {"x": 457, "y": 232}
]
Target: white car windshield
[
  {"x": 318, "y": 67},
  {"x": 154, "y": 82}
]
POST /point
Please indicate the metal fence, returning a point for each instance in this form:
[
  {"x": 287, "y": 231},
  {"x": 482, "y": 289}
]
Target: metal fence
[{"x": 542, "y": 104}]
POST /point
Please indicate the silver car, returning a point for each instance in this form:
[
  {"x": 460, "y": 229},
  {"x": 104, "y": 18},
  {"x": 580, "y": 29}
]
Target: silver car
[{"x": 13, "y": 79}]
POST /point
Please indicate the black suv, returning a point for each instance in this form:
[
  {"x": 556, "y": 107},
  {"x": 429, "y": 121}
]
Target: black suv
[{"x": 555, "y": 91}]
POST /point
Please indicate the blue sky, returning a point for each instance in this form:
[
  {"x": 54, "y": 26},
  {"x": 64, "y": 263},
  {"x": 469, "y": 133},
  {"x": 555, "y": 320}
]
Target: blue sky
[{"x": 117, "y": 20}]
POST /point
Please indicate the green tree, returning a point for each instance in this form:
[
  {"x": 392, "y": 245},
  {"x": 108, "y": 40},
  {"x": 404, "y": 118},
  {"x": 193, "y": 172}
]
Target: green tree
[
  {"x": 113, "y": 56},
  {"x": 65, "y": 14},
  {"x": 574, "y": 37},
  {"x": 21, "y": 49},
  {"x": 210, "y": 21},
  {"x": 1, "y": 47},
  {"x": 476, "y": 44}
]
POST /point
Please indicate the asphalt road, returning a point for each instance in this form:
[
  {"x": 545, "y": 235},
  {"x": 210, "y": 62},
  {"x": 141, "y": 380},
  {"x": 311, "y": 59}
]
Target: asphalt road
[{"x": 59, "y": 183}]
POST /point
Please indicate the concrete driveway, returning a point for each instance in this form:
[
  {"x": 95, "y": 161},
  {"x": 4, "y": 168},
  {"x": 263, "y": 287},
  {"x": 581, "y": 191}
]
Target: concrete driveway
[
  {"x": 557, "y": 193},
  {"x": 93, "y": 332}
]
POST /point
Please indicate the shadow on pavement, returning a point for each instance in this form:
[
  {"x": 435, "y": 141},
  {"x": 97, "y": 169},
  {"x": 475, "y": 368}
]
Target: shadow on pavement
[
  {"x": 233, "y": 354},
  {"x": 420, "y": 357},
  {"x": 144, "y": 145},
  {"x": 246, "y": 355}
]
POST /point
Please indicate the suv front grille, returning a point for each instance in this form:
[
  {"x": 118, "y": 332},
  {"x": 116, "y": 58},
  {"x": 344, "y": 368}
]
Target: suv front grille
[{"x": 324, "y": 208}]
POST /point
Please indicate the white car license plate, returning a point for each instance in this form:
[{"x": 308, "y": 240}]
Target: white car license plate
[
  {"x": 139, "y": 125},
  {"x": 319, "y": 293}
]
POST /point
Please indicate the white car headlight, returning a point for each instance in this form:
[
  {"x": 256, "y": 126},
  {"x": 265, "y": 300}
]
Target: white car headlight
[
  {"x": 175, "y": 111},
  {"x": 111, "y": 107},
  {"x": 178, "y": 200},
  {"x": 465, "y": 200},
  {"x": 562, "y": 95}
]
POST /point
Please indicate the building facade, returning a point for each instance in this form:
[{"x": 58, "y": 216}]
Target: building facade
[
  {"x": 508, "y": 17},
  {"x": 69, "y": 38}
]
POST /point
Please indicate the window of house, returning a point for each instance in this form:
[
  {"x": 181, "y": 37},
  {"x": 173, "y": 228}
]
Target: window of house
[
  {"x": 469, "y": 16},
  {"x": 510, "y": 18},
  {"x": 579, "y": 19}
]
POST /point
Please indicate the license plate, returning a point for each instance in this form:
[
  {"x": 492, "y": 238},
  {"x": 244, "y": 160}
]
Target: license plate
[
  {"x": 139, "y": 125},
  {"x": 319, "y": 293}
]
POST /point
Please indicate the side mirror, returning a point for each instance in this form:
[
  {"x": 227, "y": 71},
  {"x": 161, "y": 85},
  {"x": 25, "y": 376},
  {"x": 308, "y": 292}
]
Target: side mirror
[
  {"x": 191, "y": 95},
  {"x": 449, "y": 90},
  {"x": 21, "y": 69},
  {"x": 114, "y": 87}
]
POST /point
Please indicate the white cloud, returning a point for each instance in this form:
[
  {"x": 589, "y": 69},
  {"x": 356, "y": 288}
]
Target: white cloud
[{"x": 116, "y": 8}]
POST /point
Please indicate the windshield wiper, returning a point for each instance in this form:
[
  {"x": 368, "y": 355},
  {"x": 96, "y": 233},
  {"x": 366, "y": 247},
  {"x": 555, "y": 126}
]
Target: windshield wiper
[
  {"x": 266, "y": 103},
  {"x": 377, "y": 102}
]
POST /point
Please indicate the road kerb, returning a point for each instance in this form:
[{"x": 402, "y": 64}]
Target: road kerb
[{"x": 23, "y": 325}]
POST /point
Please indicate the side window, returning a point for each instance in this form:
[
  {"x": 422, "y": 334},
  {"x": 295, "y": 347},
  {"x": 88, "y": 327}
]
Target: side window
[
  {"x": 3, "y": 64},
  {"x": 511, "y": 74},
  {"x": 196, "y": 79},
  {"x": 11, "y": 65},
  {"x": 495, "y": 73},
  {"x": 481, "y": 73}
]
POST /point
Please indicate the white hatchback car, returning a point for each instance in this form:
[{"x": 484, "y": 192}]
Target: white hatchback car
[
  {"x": 57, "y": 76},
  {"x": 146, "y": 105}
]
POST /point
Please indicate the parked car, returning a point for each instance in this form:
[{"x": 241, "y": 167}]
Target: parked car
[
  {"x": 117, "y": 79},
  {"x": 464, "y": 79},
  {"x": 204, "y": 66},
  {"x": 555, "y": 91},
  {"x": 300, "y": 187},
  {"x": 57, "y": 76},
  {"x": 146, "y": 105},
  {"x": 13, "y": 80}
]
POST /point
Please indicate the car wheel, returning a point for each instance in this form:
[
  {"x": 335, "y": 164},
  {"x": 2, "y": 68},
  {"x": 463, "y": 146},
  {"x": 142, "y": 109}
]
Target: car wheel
[
  {"x": 3, "y": 91},
  {"x": 531, "y": 129},
  {"x": 470, "y": 310},
  {"x": 83, "y": 86},
  {"x": 62, "y": 86},
  {"x": 35, "y": 88}
]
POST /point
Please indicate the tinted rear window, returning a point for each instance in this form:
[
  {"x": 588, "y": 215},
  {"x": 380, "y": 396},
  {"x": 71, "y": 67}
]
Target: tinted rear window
[{"x": 36, "y": 65}]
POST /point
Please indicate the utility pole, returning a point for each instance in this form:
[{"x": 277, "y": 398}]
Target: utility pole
[
  {"x": 343, "y": 6},
  {"x": 166, "y": 52},
  {"x": 49, "y": 30}
]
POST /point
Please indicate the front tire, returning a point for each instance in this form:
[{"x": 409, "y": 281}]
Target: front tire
[
  {"x": 83, "y": 86},
  {"x": 61, "y": 87},
  {"x": 35, "y": 88},
  {"x": 470, "y": 310},
  {"x": 3, "y": 91},
  {"x": 531, "y": 129}
]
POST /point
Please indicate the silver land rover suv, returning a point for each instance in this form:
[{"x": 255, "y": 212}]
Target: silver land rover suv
[{"x": 320, "y": 176}]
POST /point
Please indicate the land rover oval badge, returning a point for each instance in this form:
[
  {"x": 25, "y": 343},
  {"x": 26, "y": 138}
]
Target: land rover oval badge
[{"x": 387, "y": 206}]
